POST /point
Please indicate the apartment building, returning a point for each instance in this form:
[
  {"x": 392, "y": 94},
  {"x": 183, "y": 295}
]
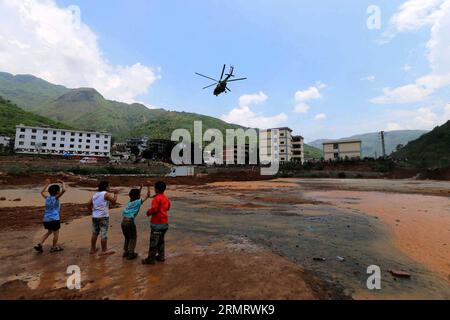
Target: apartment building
[
  {"x": 342, "y": 149},
  {"x": 142, "y": 143},
  {"x": 43, "y": 140},
  {"x": 298, "y": 149},
  {"x": 5, "y": 141},
  {"x": 289, "y": 147}
]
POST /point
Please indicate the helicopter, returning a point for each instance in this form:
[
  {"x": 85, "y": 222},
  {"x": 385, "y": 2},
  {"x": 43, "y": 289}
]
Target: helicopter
[{"x": 221, "y": 85}]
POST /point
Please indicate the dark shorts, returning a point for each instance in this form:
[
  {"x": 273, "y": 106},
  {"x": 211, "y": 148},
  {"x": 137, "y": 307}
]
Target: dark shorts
[{"x": 52, "y": 225}]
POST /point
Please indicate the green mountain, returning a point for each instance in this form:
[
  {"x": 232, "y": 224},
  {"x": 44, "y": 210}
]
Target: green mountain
[
  {"x": 371, "y": 142},
  {"x": 11, "y": 115},
  {"x": 312, "y": 153},
  {"x": 28, "y": 91},
  {"x": 430, "y": 150},
  {"x": 87, "y": 109}
]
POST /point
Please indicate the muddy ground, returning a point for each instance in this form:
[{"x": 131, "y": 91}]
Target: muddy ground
[{"x": 269, "y": 239}]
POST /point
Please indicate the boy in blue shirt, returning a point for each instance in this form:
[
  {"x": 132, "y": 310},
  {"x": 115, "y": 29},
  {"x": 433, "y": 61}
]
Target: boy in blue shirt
[
  {"x": 128, "y": 226},
  {"x": 52, "y": 224}
]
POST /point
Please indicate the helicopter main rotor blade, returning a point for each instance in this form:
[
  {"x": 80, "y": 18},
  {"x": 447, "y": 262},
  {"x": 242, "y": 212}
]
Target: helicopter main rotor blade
[
  {"x": 240, "y": 79},
  {"x": 214, "y": 84},
  {"x": 228, "y": 89},
  {"x": 223, "y": 71},
  {"x": 202, "y": 75}
]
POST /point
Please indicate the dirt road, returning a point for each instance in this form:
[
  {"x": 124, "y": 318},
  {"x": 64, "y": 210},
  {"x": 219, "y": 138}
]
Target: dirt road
[{"x": 251, "y": 240}]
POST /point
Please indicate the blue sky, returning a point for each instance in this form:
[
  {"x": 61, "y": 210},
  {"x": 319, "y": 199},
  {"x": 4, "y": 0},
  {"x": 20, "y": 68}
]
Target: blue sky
[{"x": 321, "y": 50}]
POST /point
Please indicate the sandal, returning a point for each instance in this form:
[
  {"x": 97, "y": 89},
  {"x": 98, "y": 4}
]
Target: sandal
[
  {"x": 56, "y": 249},
  {"x": 39, "y": 248}
]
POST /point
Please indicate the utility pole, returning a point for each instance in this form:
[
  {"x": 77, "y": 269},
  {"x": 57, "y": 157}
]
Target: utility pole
[{"x": 383, "y": 145}]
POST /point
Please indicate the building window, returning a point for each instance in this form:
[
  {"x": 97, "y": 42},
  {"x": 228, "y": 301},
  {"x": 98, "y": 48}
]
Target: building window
[
  {"x": 53, "y": 145},
  {"x": 80, "y": 134},
  {"x": 22, "y": 130},
  {"x": 34, "y": 130},
  {"x": 54, "y": 132},
  {"x": 63, "y": 133},
  {"x": 98, "y": 136},
  {"x": 54, "y": 138},
  {"x": 44, "y": 138},
  {"x": 97, "y": 148},
  {"x": 88, "y": 141},
  {"x": 106, "y": 142},
  {"x": 33, "y": 137},
  {"x": 106, "y": 148},
  {"x": 22, "y": 136},
  {"x": 335, "y": 146},
  {"x": 336, "y": 155},
  {"x": 88, "y": 147},
  {"x": 79, "y": 147},
  {"x": 44, "y": 144},
  {"x": 73, "y": 134},
  {"x": 89, "y": 135},
  {"x": 32, "y": 143},
  {"x": 72, "y": 140},
  {"x": 20, "y": 143},
  {"x": 72, "y": 146},
  {"x": 63, "y": 139},
  {"x": 45, "y": 131},
  {"x": 61, "y": 145}
]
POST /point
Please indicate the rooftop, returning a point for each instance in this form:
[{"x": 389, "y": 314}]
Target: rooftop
[{"x": 342, "y": 141}]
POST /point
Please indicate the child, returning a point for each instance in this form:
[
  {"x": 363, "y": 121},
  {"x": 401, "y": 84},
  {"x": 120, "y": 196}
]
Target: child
[
  {"x": 159, "y": 224},
  {"x": 128, "y": 226},
  {"x": 51, "y": 215},
  {"x": 99, "y": 206}
]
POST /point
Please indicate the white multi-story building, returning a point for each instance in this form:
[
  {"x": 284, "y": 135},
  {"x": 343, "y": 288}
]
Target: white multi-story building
[
  {"x": 5, "y": 141},
  {"x": 281, "y": 141},
  {"x": 42, "y": 140}
]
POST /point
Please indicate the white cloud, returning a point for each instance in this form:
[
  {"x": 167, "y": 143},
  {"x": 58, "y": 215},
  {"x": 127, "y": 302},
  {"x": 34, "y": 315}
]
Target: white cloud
[
  {"x": 38, "y": 37},
  {"x": 407, "y": 68},
  {"x": 447, "y": 112},
  {"x": 303, "y": 96},
  {"x": 370, "y": 78},
  {"x": 244, "y": 116},
  {"x": 424, "y": 118},
  {"x": 301, "y": 108},
  {"x": 312, "y": 93},
  {"x": 320, "y": 116},
  {"x": 249, "y": 99},
  {"x": 413, "y": 15},
  {"x": 393, "y": 126}
]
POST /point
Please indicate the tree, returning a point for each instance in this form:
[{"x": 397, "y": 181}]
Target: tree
[{"x": 399, "y": 147}]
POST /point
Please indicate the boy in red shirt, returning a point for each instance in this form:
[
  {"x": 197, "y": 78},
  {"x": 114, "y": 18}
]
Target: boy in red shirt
[{"x": 159, "y": 224}]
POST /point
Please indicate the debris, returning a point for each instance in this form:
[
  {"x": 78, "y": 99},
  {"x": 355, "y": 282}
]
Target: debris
[
  {"x": 400, "y": 274},
  {"x": 341, "y": 259},
  {"x": 319, "y": 259}
]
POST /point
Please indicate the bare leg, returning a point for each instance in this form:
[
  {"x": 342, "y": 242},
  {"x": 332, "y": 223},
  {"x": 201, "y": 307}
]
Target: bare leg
[
  {"x": 105, "y": 250},
  {"x": 45, "y": 237},
  {"x": 55, "y": 238},
  {"x": 94, "y": 243}
]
